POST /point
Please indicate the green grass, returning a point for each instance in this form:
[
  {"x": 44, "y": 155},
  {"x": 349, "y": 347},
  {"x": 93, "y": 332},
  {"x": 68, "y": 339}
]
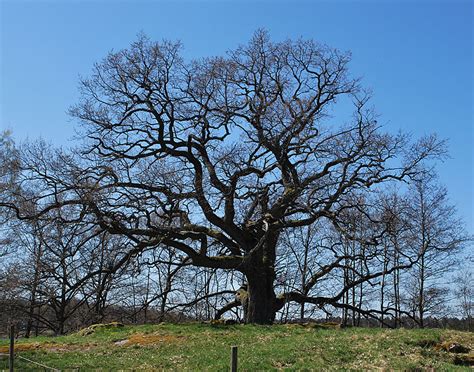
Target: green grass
[{"x": 198, "y": 347}]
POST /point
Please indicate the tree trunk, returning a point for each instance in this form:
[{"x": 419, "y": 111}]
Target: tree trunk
[
  {"x": 261, "y": 305},
  {"x": 36, "y": 279},
  {"x": 396, "y": 289},
  {"x": 421, "y": 294},
  {"x": 60, "y": 318},
  {"x": 261, "y": 302}
]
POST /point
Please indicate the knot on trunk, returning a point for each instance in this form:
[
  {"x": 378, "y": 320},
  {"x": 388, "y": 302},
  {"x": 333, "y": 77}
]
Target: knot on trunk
[{"x": 242, "y": 295}]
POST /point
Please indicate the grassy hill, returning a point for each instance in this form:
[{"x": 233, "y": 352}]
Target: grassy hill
[{"x": 207, "y": 347}]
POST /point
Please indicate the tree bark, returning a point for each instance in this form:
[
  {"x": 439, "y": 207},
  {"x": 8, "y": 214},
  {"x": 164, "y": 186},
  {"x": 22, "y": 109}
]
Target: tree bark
[
  {"x": 261, "y": 303},
  {"x": 260, "y": 306}
]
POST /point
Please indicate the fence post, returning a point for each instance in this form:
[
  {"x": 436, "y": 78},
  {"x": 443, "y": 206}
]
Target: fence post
[
  {"x": 233, "y": 359},
  {"x": 11, "y": 354}
]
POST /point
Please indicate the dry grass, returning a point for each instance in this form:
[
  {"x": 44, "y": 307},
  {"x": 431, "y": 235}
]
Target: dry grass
[
  {"x": 153, "y": 339},
  {"x": 281, "y": 347}
]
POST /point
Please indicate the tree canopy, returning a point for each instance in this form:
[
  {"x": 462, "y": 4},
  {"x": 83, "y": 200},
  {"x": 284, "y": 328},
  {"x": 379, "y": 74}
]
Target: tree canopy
[{"x": 217, "y": 158}]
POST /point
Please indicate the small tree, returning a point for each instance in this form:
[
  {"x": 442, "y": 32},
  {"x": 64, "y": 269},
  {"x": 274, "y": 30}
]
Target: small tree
[{"x": 465, "y": 296}]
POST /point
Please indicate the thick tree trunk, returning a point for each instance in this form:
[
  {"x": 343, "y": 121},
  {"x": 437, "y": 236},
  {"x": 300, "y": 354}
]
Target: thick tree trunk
[
  {"x": 261, "y": 301},
  {"x": 261, "y": 305}
]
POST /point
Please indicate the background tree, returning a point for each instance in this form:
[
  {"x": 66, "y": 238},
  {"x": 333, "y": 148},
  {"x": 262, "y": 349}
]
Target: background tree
[
  {"x": 465, "y": 295},
  {"x": 9, "y": 168},
  {"x": 437, "y": 234}
]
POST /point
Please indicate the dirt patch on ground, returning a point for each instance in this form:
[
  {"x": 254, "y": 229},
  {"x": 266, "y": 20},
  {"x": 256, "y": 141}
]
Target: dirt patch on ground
[
  {"x": 48, "y": 346},
  {"x": 37, "y": 346},
  {"x": 22, "y": 347},
  {"x": 150, "y": 339},
  {"x": 135, "y": 339}
]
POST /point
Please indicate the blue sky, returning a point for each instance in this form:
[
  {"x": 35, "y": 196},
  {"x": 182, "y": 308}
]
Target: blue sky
[{"x": 416, "y": 56}]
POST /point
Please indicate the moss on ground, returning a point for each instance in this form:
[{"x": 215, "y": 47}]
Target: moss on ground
[{"x": 207, "y": 347}]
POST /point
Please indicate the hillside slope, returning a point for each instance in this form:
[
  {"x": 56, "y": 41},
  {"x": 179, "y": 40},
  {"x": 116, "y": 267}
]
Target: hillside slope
[{"x": 207, "y": 347}]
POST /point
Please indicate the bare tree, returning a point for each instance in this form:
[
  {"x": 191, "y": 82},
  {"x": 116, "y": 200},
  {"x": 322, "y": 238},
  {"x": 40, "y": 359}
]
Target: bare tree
[
  {"x": 215, "y": 158},
  {"x": 396, "y": 245},
  {"x": 465, "y": 296},
  {"x": 9, "y": 168},
  {"x": 300, "y": 259},
  {"x": 438, "y": 235}
]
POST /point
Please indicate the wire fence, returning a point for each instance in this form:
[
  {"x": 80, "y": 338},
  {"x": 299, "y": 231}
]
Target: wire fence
[
  {"x": 12, "y": 356},
  {"x": 38, "y": 364},
  {"x": 17, "y": 356}
]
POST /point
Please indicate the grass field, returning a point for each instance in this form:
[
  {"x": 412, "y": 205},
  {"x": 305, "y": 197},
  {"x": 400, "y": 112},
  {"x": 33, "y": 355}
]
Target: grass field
[{"x": 199, "y": 347}]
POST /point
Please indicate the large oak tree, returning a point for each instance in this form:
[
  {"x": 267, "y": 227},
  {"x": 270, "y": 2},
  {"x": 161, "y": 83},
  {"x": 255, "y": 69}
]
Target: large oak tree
[{"x": 216, "y": 157}]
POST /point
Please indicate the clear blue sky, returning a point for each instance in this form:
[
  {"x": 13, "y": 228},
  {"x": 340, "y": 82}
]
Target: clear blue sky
[{"x": 417, "y": 56}]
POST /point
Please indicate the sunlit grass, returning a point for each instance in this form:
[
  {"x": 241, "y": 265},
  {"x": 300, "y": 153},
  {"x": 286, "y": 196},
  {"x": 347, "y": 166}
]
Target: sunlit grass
[{"x": 205, "y": 347}]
